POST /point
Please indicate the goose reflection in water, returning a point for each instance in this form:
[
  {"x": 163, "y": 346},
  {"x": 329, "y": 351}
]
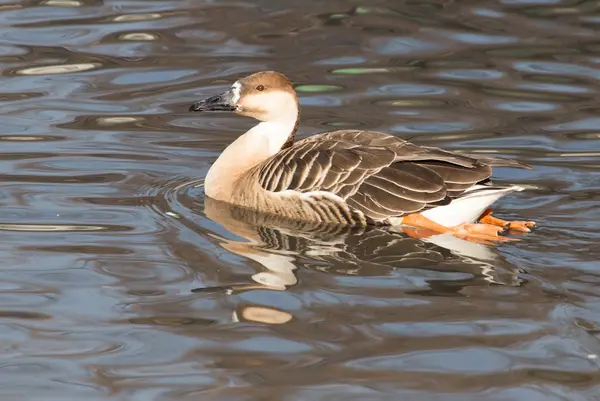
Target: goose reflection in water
[{"x": 282, "y": 246}]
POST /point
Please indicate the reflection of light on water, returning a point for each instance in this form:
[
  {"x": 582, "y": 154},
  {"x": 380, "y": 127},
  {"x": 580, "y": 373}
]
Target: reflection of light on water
[
  {"x": 172, "y": 321},
  {"x": 23, "y": 138},
  {"x": 262, "y": 314},
  {"x": 360, "y": 71},
  {"x": 49, "y": 227},
  {"x": 199, "y": 182},
  {"x": 374, "y": 10},
  {"x": 318, "y": 88},
  {"x": 523, "y": 106},
  {"x": 4, "y": 7},
  {"x": 404, "y": 45},
  {"x": 136, "y": 17},
  {"x": 480, "y": 39},
  {"x": 272, "y": 281},
  {"x": 63, "y": 3},
  {"x": 586, "y": 135},
  {"x": 472, "y": 74},
  {"x": 564, "y": 10},
  {"x": 117, "y": 120},
  {"x": 58, "y": 69},
  {"x": 579, "y": 154},
  {"x": 412, "y": 103},
  {"x": 281, "y": 267},
  {"x": 138, "y": 36}
]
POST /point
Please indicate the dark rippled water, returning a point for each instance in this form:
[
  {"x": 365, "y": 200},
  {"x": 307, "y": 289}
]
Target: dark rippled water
[{"x": 119, "y": 282}]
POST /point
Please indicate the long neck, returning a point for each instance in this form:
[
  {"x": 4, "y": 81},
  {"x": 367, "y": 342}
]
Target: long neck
[
  {"x": 290, "y": 140},
  {"x": 255, "y": 146}
]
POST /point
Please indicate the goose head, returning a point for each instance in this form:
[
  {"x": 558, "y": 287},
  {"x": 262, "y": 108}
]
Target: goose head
[{"x": 267, "y": 96}]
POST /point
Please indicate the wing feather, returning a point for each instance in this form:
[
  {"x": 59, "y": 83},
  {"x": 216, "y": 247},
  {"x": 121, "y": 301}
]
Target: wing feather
[
  {"x": 458, "y": 174},
  {"x": 379, "y": 175}
]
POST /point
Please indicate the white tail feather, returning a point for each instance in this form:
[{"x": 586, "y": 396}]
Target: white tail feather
[{"x": 469, "y": 206}]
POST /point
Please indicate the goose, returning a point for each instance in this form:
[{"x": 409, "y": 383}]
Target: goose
[{"x": 348, "y": 177}]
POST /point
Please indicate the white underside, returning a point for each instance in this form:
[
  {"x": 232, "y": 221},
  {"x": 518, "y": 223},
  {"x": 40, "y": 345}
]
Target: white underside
[{"x": 469, "y": 207}]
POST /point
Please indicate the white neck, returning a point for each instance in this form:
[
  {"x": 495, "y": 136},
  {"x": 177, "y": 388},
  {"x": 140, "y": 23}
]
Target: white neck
[{"x": 255, "y": 146}]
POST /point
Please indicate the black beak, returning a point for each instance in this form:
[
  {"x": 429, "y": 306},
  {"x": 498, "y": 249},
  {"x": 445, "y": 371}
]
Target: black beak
[{"x": 222, "y": 102}]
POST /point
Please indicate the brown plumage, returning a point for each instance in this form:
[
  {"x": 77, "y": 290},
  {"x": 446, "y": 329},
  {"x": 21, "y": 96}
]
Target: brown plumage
[{"x": 379, "y": 175}]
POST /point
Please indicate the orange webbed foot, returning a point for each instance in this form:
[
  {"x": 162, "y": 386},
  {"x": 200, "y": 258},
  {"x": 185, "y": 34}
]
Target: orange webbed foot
[
  {"x": 489, "y": 230},
  {"x": 482, "y": 233},
  {"x": 520, "y": 226}
]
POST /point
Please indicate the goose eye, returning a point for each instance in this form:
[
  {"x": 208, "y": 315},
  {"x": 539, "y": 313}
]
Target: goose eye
[{"x": 260, "y": 88}]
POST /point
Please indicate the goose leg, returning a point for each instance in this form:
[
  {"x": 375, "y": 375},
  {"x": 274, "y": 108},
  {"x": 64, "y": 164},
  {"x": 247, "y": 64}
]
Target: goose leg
[
  {"x": 483, "y": 231},
  {"x": 522, "y": 226}
]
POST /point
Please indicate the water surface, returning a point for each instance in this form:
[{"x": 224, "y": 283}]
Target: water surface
[{"x": 120, "y": 282}]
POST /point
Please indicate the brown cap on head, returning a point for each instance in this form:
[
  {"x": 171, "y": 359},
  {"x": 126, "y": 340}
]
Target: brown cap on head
[{"x": 265, "y": 81}]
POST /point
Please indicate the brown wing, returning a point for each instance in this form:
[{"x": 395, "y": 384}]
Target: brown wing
[{"x": 377, "y": 174}]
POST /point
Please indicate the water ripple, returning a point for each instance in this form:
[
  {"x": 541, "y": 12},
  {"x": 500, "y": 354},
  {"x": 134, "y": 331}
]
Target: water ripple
[
  {"x": 121, "y": 280},
  {"x": 58, "y": 69}
]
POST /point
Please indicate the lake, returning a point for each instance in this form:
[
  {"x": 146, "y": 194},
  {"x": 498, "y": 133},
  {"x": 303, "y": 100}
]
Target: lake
[{"x": 120, "y": 281}]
